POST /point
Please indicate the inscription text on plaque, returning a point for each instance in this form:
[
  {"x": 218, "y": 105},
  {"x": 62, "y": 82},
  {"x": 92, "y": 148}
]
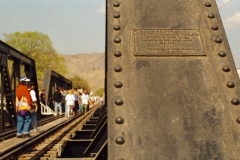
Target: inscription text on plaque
[{"x": 166, "y": 42}]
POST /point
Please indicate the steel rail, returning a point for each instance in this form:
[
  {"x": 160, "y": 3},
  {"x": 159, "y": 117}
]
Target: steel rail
[
  {"x": 12, "y": 132},
  {"x": 25, "y": 146}
]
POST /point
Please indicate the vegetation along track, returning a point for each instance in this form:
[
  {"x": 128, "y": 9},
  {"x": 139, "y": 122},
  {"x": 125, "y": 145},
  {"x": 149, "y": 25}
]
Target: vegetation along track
[{"x": 49, "y": 143}]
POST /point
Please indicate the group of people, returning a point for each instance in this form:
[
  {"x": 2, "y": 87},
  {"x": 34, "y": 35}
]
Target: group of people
[
  {"x": 26, "y": 97},
  {"x": 73, "y": 101},
  {"x": 27, "y": 106}
]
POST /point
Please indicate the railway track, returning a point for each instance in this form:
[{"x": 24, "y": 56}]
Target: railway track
[
  {"x": 50, "y": 143},
  {"x": 10, "y": 133}
]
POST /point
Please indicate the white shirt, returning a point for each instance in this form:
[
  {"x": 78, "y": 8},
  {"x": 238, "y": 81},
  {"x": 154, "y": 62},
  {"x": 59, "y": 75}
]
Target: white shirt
[
  {"x": 70, "y": 99},
  {"x": 85, "y": 98},
  {"x": 33, "y": 95}
]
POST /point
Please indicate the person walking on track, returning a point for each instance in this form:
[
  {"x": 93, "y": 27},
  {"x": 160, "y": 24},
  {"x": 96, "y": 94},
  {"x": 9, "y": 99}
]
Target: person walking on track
[
  {"x": 34, "y": 107},
  {"x": 57, "y": 98},
  {"x": 85, "y": 100},
  {"x": 70, "y": 102},
  {"x": 23, "y": 114},
  {"x": 76, "y": 105}
]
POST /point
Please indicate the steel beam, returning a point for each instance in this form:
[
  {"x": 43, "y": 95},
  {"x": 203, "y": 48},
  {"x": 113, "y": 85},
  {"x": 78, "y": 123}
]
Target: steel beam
[{"x": 172, "y": 85}]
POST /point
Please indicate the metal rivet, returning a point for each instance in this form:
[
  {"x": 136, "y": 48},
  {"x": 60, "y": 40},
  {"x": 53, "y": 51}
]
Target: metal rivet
[
  {"x": 119, "y": 102},
  {"x": 235, "y": 101},
  {"x": 120, "y": 140},
  {"x": 118, "y": 85},
  {"x": 117, "y": 54},
  {"x": 117, "y": 27},
  {"x": 230, "y": 84},
  {"x": 117, "y": 40},
  {"x": 116, "y": 4},
  {"x": 117, "y": 15},
  {"x": 214, "y": 27},
  {"x": 218, "y": 40},
  {"x": 119, "y": 120},
  {"x": 226, "y": 68},
  {"x": 211, "y": 15},
  {"x": 208, "y": 4},
  {"x": 238, "y": 120},
  {"x": 222, "y": 54},
  {"x": 118, "y": 69}
]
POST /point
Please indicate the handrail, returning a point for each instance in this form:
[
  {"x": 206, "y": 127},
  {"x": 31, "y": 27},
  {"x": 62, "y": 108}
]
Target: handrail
[{"x": 46, "y": 110}]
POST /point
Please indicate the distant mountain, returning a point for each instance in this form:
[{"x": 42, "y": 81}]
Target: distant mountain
[{"x": 90, "y": 67}]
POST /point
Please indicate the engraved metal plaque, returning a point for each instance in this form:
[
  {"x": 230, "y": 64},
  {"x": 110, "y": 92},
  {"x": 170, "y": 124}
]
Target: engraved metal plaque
[{"x": 166, "y": 42}]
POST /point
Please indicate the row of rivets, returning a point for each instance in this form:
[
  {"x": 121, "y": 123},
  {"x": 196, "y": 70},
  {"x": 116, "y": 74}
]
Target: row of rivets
[
  {"x": 222, "y": 54},
  {"x": 118, "y": 84},
  {"x": 226, "y": 68},
  {"x": 120, "y": 140},
  {"x": 116, "y": 4},
  {"x": 208, "y": 4},
  {"x": 230, "y": 84},
  {"x": 211, "y": 15},
  {"x": 235, "y": 101},
  {"x": 238, "y": 120},
  {"x": 117, "y": 40},
  {"x": 117, "y": 54},
  {"x": 117, "y": 27},
  {"x": 116, "y": 15},
  {"x": 218, "y": 40},
  {"x": 119, "y": 120},
  {"x": 118, "y": 69},
  {"x": 118, "y": 102},
  {"x": 214, "y": 27}
]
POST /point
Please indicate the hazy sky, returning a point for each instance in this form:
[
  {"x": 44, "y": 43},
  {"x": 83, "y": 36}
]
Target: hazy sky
[
  {"x": 73, "y": 26},
  {"x": 78, "y": 26}
]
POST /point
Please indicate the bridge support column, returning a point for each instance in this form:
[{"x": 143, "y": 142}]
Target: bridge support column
[{"x": 172, "y": 86}]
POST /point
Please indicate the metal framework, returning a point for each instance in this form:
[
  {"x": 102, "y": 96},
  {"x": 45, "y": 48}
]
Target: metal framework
[
  {"x": 51, "y": 81},
  {"x": 13, "y": 65}
]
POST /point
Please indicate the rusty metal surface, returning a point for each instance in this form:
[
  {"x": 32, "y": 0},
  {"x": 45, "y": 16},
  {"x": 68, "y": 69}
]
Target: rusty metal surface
[{"x": 170, "y": 105}]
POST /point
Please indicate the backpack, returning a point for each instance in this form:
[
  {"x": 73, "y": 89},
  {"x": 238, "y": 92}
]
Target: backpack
[{"x": 22, "y": 106}]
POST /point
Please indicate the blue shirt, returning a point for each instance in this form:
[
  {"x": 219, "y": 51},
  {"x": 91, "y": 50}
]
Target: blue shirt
[{"x": 76, "y": 95}]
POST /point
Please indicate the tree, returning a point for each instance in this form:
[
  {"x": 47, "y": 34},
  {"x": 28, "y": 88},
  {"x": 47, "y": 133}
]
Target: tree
[
  {"x": 78, "y": 82},
  {"x": 37, "y": 46},
  {"x": 99, "y": 92}
]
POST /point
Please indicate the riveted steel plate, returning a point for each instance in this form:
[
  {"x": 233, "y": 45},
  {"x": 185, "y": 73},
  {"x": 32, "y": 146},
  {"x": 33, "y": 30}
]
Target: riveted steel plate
[
  {"x": 178, "y": 100},
  {"x": 167, "y": 42}
]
